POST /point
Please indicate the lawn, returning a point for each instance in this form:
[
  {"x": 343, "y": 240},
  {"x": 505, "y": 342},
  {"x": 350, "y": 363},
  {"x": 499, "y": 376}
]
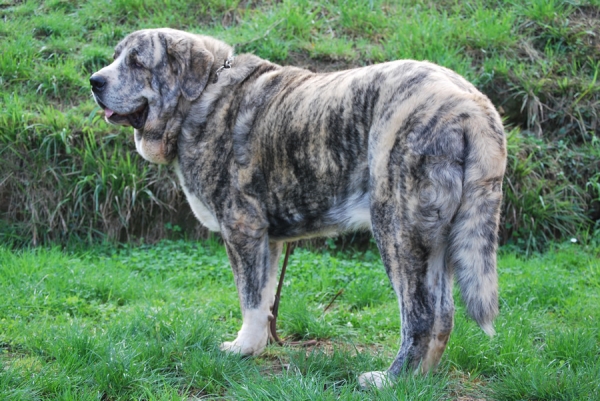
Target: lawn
[{"x": 144, "y": 322}]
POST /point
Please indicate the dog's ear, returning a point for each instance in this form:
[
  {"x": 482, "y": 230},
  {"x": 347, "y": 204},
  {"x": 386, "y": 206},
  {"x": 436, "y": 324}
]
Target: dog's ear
[
  {"x": 195, "y": 75},
  {"x": 192, "y": 64}
]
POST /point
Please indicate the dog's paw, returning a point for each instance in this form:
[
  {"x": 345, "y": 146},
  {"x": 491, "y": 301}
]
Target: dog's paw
[
  {"x": 253, "y": 336},
  {"x": 246, "y": 348},
  {"x": 374, "y": 379},
  {"x": 231, "y": 346}
]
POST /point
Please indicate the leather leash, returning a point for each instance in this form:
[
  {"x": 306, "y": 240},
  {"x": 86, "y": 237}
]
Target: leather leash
[{"x": 273, "y": 318}]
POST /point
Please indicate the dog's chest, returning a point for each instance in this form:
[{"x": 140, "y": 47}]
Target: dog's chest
[{"x": 201, "y": 211}]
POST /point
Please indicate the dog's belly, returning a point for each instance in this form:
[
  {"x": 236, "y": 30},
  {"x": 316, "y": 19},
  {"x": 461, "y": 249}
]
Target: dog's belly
[{"x": 349, "y": 214}]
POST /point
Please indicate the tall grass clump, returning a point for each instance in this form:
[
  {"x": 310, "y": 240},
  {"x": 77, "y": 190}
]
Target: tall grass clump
[
  {"x": 541, "y": 200},
  {"x": 68, "y": 180}
]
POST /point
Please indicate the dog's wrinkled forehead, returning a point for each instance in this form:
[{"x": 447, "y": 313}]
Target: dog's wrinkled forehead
[{"x": 139, "y": 47}]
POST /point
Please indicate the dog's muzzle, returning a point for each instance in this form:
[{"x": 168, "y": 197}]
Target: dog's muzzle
[{"x": 136, "y": 119}]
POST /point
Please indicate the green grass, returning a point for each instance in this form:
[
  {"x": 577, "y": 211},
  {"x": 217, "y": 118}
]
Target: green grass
[
  {"x": 145, "y": 322},
  {"x": 69, "y": 176}
]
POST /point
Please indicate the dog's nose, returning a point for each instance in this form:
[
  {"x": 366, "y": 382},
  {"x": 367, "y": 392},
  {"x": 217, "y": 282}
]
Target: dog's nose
[{"x": 98, "y": 83}]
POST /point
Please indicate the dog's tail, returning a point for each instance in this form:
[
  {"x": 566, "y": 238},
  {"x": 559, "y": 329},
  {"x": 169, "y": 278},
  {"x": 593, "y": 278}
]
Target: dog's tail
[{"x": 473, "y": 237}]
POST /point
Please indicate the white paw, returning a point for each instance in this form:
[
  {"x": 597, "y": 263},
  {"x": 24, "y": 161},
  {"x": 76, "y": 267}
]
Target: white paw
[
  {"x": 230, "y": 346},
  {"x": 374, "y": 379},
  {"x": 251, "y": 340},
  {"x": 243, "y": 346}
]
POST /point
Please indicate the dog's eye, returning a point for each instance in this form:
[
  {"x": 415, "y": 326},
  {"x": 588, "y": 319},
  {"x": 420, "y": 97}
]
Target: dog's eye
[{"x": 136, "y": 63}]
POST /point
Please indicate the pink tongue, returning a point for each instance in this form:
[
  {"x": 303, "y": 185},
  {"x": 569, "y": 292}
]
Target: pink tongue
[{"x": 108, "y": 113}]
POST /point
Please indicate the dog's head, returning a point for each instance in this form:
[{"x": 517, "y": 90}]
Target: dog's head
[{"x": 155, "y": 74}]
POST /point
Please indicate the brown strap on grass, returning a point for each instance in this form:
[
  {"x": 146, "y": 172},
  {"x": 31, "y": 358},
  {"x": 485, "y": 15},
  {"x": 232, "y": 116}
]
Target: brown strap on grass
[{"x": 273, "y": 318}]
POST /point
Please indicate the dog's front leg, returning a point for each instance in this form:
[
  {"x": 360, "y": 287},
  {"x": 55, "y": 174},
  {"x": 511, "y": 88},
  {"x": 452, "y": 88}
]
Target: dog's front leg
[{"x": 254, "y": 262}]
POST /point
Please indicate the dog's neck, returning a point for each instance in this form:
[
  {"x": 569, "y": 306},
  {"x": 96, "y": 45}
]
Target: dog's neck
[{"x": 172, "y": 129}]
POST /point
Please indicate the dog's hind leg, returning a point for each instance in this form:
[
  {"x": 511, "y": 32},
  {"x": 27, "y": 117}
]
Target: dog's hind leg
[
  {"x": 423, "y": 285},
  {"x": 411, "y": 226}
]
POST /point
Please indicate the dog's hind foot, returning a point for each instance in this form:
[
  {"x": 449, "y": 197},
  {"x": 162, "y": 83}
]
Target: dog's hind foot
[{"x": 375, "y": 379}]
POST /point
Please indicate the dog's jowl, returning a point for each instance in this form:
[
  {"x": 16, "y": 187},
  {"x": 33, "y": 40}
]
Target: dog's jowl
[{"x": 266, "y": 154}]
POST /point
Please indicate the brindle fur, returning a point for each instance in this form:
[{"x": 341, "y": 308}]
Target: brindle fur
[{"x": 266, "y": 154}]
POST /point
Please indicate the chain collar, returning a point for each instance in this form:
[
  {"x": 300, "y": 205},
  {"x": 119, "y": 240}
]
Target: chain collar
[{"x": 226, "y": 65}]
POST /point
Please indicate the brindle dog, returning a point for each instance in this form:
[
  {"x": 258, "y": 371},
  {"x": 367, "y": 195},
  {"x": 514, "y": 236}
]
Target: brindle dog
[{"x": 266, "y": 154}]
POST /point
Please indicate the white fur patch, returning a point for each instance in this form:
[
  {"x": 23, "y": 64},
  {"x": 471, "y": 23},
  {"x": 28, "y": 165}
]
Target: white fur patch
[
  {"x": 353, "y": 214},
  {"x": 149, "y": 150},
  {"x": 253, "y": 336},
  {"x": 374, "y": 379},
  {"x": 202, "y": 213}
]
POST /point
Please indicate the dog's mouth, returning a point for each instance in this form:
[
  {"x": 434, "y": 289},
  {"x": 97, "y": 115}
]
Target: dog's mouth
[{"x": 137, "y": 119}]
